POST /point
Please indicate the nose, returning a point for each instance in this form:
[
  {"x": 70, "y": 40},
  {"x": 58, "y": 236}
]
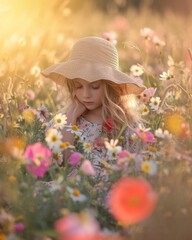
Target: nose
[{"x": 86, "y": 92}]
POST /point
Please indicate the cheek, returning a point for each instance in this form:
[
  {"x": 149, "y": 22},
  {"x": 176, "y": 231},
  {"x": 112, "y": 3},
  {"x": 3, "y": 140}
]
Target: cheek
[{"x": 77, "y": 94}]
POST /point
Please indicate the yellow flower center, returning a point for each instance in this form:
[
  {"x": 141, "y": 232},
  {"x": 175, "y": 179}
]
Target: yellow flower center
[
  {"x": 146, "y": 167},
  {"x": 76, "y": 192},
  {"x": 54, "y": 139},
  {"x": 87, "y": 145},
  {"x": 64, "y": 145},
  {"x": 58, "y": 120},
  {"x": 75, "y": 127}
]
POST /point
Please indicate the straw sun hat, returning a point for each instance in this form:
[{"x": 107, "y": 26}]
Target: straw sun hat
[{"x": 92, "y": 59}]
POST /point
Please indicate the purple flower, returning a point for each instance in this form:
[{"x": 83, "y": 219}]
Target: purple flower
[
  {"x": 39, "y": 159},
  {"x": 19, "y": 227}
]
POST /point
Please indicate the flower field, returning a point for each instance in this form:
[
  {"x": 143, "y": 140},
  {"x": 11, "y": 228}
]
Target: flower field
[{"x": 143, "y": 195}]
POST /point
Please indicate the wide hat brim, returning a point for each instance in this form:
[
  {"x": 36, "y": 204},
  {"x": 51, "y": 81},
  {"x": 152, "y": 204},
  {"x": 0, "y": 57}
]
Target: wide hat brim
[{"x": 91, "y": 71}]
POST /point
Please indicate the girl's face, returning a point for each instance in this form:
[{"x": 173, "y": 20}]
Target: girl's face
[{"x": 89, "y": 94}]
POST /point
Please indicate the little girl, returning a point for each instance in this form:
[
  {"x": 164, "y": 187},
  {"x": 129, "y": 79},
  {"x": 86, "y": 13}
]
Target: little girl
[{"x": 102, "y": 97}]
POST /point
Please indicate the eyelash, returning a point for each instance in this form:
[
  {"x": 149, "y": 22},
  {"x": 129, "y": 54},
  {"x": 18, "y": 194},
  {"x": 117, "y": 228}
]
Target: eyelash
[{"x": 79, "y": 87}]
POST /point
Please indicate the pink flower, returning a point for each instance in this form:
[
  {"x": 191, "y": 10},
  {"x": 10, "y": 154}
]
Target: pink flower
[
  {"x": 188, "y": 56},
  {"x": 39, "y": 159},
  {"x": 110, "y": 36},
  {"x": 87, "y": 168},
  {"x": 124, "y": 154},
  {"x": 108, "y": 125},
  {"x": 147, "y": 94},
  {"x": 145, "y": 136},
  {"x": 75, "y": 158},
  {"x": 72, "y": 227},
  {"x": 121, "y": 23},
  {"x": 30, "y": 94},
  {"x": 147, "y": 33},
  {"x": 19, "y": 227}
]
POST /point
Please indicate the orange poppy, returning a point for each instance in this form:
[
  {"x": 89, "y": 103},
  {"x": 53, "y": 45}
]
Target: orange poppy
[{"x": 131, "y": 200}]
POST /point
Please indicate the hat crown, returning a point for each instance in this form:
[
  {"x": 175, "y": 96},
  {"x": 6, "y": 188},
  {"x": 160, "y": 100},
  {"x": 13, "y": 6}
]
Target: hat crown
[{"x": 94, "y": 49}]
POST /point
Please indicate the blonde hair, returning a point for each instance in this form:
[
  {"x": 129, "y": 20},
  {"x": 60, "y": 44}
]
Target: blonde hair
[{"x": 117, "y": 105}]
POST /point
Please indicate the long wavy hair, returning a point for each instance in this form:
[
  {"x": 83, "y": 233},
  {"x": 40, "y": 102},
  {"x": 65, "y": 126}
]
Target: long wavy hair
[{"x": 121, "y": 107}]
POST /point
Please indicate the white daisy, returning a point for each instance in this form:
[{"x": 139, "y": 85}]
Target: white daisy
[
  {"x": 59, "y": 121},
  {"x": 166, "y": 76},
  {"x": 162, "y": 134},
  {"x": 76, "y": 195},
  {"x": 74, "y": 129},
  {"x": 154, "y": 103},
  {"x": 53, "y": 138},
  {"x": 87, "y": 147},
  {"x": 136, "y": 70},
  {"x": 112, "y": 146},
  {"x": 147, "y": 33},
  {"x": 143, "y": 109}
]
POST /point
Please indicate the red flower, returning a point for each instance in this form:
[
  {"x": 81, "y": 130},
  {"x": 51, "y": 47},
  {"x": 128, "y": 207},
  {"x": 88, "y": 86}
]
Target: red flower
[
  {"x": 109, "y": 125},
  {"x": 131, "y": 200}
]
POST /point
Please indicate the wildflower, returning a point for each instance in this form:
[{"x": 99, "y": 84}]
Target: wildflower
[
  {"x": 170, "y": 61},
  {"x": 77, "y": 227},
  {"x": 131, "y": 200},
  {"x": 162, "y": 134},
  {"x": 158, "y": 41},
  {"x": 87, "y": 147},
  {"x": 19, "y": 227},
  {"x": 43, "y": 113},
  {"x": 59, "y": 121},
  {"x": 58, "y": 157},
  {"x": 75, "y": 158},
  {"x": 53, "y": 138},
  {"x": 111, "y": 37},
  {"x": 74, "y": 129},
  {"x": 76, "y": 195},
  {"x": 65, "y": 145},
  {"x": 28, "y": 115},
  {"x": 154, "y": 103},
  {"x": 147, "y": 33},
  {"x": 112, "y": 146},
  {"x": 188, "y": 56},
  {"x": 109, "y": 125},
  {"x": 87, "y": 168},
  {"x": 149, "y": 167},
  {"x": 35, "y": 71},
  {"x": 38, "y": 157},
  {"x": 13, "y": 146},
  {"x": 147, "y": 94},
  {"x": 136, "y": 70},
  {"x": 120, "y": 22},
  {"x": 145, "y": 135},
  {"x": 173, "y": 123},
  {"x": 166, "y": 76},
  {"x": 30, "y": 94},
  {"x": 123, "y": 160},
  {"x": 143, "y": 109}
]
